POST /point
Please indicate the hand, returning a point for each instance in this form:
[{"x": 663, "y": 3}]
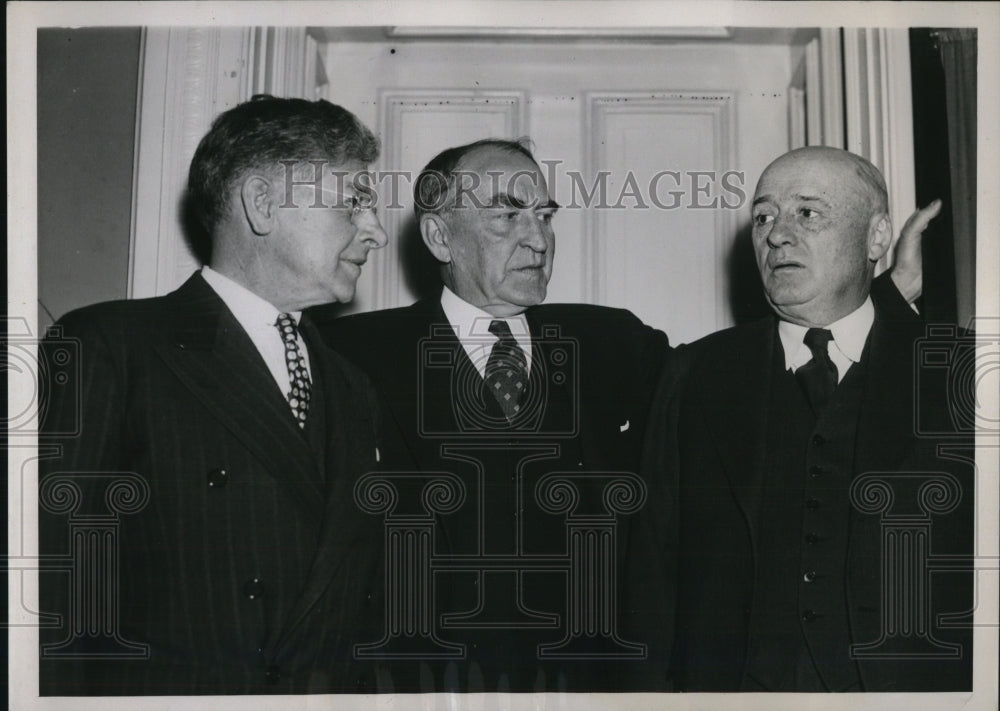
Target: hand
[{"x": 907, "y": 269}]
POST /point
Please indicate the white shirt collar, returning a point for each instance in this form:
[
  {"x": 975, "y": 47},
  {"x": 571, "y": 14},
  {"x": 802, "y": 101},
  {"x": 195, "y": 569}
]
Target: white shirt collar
[
  {"x": 257, "y": 316},
  {"x": 245, "y": 305},
  {"x": 849, "y": 336},
  {"x": 472, "y": 328}
]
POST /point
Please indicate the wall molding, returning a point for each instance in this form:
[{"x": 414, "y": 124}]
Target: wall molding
[
  {"x": 830, "y": 89},
  {"x": 879, "y": 106},
  {"x": 393, "y": 107},
  {"x": 718, "y": 108}
]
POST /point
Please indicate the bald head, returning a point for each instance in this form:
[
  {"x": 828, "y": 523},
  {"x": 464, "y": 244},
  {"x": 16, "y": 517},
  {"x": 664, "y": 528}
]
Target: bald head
[
  {"x": 859, "y": 173},
  {"x": 820, "y": 223}
]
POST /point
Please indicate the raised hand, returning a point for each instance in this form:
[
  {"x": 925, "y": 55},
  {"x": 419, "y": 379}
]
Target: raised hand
[{"x": 907, "y": 269}]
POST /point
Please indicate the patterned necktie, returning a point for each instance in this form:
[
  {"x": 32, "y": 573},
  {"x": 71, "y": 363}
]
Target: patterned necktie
[
  {"x": 506, "y": 370},
  {"x": 818, "y": 377},
  {"x": 300, "y": 386}
]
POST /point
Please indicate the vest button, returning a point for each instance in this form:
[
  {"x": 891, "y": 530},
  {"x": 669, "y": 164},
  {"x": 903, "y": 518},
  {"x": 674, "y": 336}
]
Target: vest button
[
  {"x": 819, "y": 440},
  {"x": 253, "y": 588},
  {"x": 272, "y": 674},
  {"x": 809, "y": 576},
  {"x": 815, "y": 471},
  {"x": 809, "y": 615},
  {"x": 812, "y": 504},
  {"x": 217, "y": 478},
  {"x": 812, "y": 539}
]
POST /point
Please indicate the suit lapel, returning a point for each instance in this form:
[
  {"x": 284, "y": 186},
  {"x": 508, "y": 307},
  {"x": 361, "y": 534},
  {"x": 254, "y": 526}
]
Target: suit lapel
[
  {"x": 449, "y": 385},
  {"x": 561, "y": 410},
  {"x": 886, "y": 424},
  {"x": 216, "y": 360},
  {"x": 737, "y": 414},
  {"x": 350, "y": 455}
]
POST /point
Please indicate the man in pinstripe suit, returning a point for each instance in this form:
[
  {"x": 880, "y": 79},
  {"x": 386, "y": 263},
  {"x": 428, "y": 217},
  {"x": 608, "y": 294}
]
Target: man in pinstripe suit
[{"x": 196, "y": 511}]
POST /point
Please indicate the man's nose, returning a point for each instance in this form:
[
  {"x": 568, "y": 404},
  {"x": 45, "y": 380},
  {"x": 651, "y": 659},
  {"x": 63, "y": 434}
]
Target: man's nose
[
  {"x": 370, "y": 230},
  {"x": 534, "y": 235},
  {"x": 782, "y": 232}
]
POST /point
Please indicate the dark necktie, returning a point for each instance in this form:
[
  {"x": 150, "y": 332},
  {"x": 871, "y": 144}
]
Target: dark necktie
[
  {"x": 506, "y": 370},
  {"x": 818, "y": 377},
  {"x": 300, "y": 389}
]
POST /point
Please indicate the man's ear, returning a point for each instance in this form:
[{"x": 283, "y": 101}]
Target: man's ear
[
  {"x": 259, "y": 205},
  {"x": 436, "y": 235},
  {"x": 879, "y": 236}
]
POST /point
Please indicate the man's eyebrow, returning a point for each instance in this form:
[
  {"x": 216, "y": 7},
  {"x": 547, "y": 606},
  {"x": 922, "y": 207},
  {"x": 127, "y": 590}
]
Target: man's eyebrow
[
  {"x": 810, "y": 198},
  {"x": 797, "y": 196},
  {"x": 501, "y": 199}
]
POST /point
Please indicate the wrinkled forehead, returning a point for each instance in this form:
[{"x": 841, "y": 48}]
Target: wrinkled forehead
[
  {"x": 493, "y": 173},
  {"x": 831, "y": 176}
]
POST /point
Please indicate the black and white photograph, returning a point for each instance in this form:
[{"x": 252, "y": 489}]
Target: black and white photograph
[{"x": 543, "y": 354}]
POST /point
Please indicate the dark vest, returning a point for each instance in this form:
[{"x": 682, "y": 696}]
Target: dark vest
[{"x": 799, "y": 629}]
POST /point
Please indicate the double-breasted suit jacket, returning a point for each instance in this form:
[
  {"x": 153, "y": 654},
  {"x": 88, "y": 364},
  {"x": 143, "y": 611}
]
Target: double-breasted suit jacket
[{"x": 238, "y": 560}]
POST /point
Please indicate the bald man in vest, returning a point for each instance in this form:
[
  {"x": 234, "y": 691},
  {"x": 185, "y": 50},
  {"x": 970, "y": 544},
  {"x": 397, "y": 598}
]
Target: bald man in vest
[{"x": 791, "y": 431}]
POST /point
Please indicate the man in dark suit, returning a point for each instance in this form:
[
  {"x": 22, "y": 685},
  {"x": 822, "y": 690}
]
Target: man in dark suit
[
  {"x": 499, "y": 390},
  {"x": 508, "y": 394},
  {"x": 196, "y": 512},
  {"x": 811, "y": 505}
]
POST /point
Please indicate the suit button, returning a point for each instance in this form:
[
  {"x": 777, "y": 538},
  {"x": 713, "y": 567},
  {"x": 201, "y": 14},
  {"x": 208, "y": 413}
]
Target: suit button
[
  {"x": 809, "y": 576},
  {"x": 812, "y": 539},
  {"x": 272, "y": 674},
  {"x": 812, "y": 504},
  {"x": 217, "y": 478},
  {"x": 819, "y": 440},
  {"x": 809, "y": 615},
  {"x": 253, "y": 588},
  {"x": 815, "y": 471}
]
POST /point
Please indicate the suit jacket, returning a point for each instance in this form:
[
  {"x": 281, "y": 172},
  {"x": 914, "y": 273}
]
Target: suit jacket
[
  {"x": 722, "y": 427},
  {"x": 593, "y": 374},
  {"x": 243, "y": 565}
]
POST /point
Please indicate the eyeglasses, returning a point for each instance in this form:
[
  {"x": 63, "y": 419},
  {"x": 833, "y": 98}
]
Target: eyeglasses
[{"x": 358, "y": 204}]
